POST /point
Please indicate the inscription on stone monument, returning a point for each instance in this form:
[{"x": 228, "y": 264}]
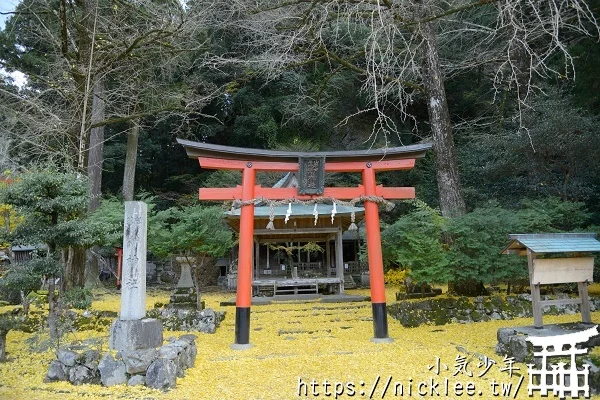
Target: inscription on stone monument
[{"x": 133, "y": 294}]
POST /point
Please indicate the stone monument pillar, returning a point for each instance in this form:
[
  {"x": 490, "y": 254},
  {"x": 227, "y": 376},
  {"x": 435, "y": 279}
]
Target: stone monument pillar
[
  {"x": 132, "y": 331},
  {"x": 185, "y": 296},
  {"x": 185, "y": 279}
]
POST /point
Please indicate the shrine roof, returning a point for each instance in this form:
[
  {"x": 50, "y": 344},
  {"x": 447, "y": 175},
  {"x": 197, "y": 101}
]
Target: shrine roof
[
  {"x": 553, "y": 243},
  {"x": 198, "y": 149}
]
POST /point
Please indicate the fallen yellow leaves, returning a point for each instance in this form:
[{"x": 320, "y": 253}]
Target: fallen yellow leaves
[{"x": 295, "y": 343}]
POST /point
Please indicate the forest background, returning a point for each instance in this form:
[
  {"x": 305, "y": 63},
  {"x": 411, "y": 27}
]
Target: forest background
[{"x": 507, "y": 92}]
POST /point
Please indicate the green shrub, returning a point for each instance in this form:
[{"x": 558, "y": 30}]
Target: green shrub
[
  {"x": 466, "y": 249},
  {"x": 79, "y": 298},
  {"x": 9, "y": 295},
  {"x": 475, "y": 241},
  {"x": 551, "y": 215},
  {"x": 414, "y": 242}
]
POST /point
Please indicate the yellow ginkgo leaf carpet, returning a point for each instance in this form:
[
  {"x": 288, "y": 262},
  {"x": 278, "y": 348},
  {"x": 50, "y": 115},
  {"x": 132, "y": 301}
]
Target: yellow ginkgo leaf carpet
[{"x": 306, "y": 350}]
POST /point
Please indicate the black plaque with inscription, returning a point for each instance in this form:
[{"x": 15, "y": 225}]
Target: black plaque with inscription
[{"x": 312, "y": 175}]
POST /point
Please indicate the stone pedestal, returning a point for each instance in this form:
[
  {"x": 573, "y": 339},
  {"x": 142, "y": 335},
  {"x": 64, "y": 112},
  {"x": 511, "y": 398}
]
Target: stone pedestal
[{"x": 139, "y": 334}]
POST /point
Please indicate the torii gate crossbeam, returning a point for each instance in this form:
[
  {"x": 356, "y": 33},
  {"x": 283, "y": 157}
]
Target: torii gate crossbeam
[{"x": 250, "y": 161}]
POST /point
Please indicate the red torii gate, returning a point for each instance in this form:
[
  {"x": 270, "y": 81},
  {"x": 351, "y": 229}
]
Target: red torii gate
[{"x": 249, "y": 161}]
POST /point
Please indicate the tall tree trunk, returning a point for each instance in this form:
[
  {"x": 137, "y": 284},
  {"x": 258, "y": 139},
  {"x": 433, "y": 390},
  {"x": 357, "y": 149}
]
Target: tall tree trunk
[
  {"x": 74, "y": 266},
  {"x": 3, "y": 334},
  {"x": 130, "y": 161},
  {"x": 94, "y": 171},
  {"x": 448, "y": 180},
  {"x": 452, "y": 203},
  {"x": 52, "y": 306},
  {"x": 7, "y": 226},
  {"x": 52, "y": 311},
  {"x": 96, "y": 145},
  {"x": 25, "y": 302}
]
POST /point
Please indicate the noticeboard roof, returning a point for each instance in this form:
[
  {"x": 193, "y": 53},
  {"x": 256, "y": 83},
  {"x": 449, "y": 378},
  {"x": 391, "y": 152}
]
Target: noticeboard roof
[{"x": 553, "y": 243}]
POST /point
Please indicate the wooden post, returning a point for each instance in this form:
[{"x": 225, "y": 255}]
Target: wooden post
[
  {"x": 585, "y": 302},
  {"x": 339, "y": 259},
  {"x": 120, "y": 266},
  {"x": 268, "y": 256},
  {"x": 535, "y": 292},
  {"x": 328, "y": 257},
  {"x": 257, "y": 260}
]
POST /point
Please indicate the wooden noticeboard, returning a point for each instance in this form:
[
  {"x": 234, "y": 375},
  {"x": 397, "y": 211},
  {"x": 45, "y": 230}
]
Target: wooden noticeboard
[
  {"x": 562, "y": 270},
  {"x": 574, "y": 264}
]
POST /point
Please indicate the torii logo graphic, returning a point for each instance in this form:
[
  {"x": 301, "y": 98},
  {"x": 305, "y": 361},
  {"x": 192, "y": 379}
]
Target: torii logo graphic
[{"x": 556, "y": 378}]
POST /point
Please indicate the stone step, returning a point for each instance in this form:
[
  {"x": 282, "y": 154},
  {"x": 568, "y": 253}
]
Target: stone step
[{"x": 349, "y": 282}]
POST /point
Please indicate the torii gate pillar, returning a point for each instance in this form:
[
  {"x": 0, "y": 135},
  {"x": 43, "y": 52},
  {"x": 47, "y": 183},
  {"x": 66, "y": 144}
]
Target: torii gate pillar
[
  {"x": 244, "y": 283},
  {"x": 249, "y": 161},
  {"x": 376, "y": 279}
]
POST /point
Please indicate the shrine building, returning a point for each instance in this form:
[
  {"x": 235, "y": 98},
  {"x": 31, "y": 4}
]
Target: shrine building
[{"x": 308, "y": 249}]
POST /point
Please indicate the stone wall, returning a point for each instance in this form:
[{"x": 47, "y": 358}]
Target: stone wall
[
  {"x": 174, "y": 319},
  {"x": 443, "y": 311},
  {"x": 159, "y": 368},
  {"x": 206, "y": 321}
]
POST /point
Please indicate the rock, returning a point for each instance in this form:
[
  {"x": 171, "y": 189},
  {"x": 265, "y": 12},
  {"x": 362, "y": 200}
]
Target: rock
[
  {"x": 495, "y": 316},
  {"x": 136, "y": 380},
  {"x": 67, "y": 357},
  {"x": 89, "y": 358},
  {"x": 161, "y": 374},
  {"x": 518, "y": 348},
  {"x": 189, "y": 338},
  {"x": 185, "y": 358},
  {"x": 205, "y": 327},
  {"x": 180, "y": 363},
  {"x": 504, "y": 334},
  {"x": 169, "y": 352},
  {"x": 78, "y": 375},
  {"x": 56, "y": 372},
  {"x": 501, "y": 349},
  {"x": 137, "y": 361},
  {"x": 208, "y": 313},
  {"x": 179, "y": 344},
  {"x": 192, "y": 352},
  {"x": 112, "y": 372}
]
